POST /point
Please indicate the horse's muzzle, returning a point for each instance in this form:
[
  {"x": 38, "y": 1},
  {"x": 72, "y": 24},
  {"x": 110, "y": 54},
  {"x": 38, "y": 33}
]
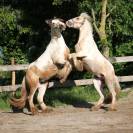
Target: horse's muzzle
[{"x": 69, "y": 23}]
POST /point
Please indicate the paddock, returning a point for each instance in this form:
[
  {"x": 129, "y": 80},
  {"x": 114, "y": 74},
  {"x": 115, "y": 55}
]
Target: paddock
[{"x": 72, "y": 120}]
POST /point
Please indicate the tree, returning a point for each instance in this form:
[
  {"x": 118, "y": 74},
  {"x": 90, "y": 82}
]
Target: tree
[
  {"x": 10, "y": 36},
  {"x": 112, "y": 21},
  {"x": 101, "y": 31}
]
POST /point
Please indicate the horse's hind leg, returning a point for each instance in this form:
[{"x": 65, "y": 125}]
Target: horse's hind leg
[
  {"x": 30, "y": 98},
  {"x": 98, "y": 84},
  {"x": 32, "y": 82},
  {"x": 41, "y": 91},
  {"x": 111, "y": 86}
]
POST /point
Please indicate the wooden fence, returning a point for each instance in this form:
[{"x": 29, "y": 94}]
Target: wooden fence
[{"x": 12, "y": 68}]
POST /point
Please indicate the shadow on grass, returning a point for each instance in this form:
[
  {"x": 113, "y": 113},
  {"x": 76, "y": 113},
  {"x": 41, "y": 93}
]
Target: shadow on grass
[
  {"x": 75, "y": 97},
  {"x": 74, "y": 101}
]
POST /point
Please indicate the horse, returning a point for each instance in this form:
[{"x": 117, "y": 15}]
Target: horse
[
  {"x": 53, "y": 62},
  {"x": 88, "y": 57}
]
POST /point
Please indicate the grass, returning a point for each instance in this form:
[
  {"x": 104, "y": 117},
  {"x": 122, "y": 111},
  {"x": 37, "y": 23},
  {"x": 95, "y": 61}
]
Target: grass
[
  {"x": 75, "y": 96},
  {"x": 124, "y": 94},
  {"x": 4, "y": 104},
  {"x": 71, "y": 96}
]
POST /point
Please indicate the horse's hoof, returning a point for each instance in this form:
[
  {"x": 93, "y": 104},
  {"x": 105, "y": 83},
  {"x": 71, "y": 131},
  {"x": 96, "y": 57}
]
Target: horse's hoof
[
  {"x": 47, "y": 110},
  {"x": 94, "y": 108},
  {"x": 112, "y": 109},
  {"x": 26, "y": 111},
  {"x": 34, "y": 111}
]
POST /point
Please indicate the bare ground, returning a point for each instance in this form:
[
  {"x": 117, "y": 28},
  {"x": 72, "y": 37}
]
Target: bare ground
[{"x": 72, "y": 120}]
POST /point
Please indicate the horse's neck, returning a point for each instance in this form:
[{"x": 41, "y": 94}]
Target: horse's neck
[
  {"x": 52, "y": 46},
  {"x": 55, "y": 33},
  {"x": 57, "y": 41},
  {"x": 56, "y": 44},
  {"x": 86, "y": 35},
  {"x": 56, "y": 38}
]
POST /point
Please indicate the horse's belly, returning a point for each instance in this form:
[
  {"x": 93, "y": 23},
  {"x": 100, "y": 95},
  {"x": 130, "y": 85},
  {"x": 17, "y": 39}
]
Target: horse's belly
[
  {"x": 93, "y": 66},
  {"x": 87, "y": 67}
]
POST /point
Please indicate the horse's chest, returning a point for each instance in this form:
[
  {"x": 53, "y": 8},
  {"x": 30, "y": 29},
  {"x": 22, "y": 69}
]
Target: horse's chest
[
  {"x": 61, "y": 53},
  {"x": 61, "y": 46},
  {"x": 59, "y": 50},
  {"x": 79, "y": 47}
]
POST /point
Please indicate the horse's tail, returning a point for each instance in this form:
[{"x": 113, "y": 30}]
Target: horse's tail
[
  {"x": 117, "y": 88},
  {"x": 20, "y": 103}
]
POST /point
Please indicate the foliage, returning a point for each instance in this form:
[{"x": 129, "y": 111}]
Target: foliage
[
  {"x": 4, "y": 104},
  {"x": 120, "y": 27},
  {"x": 22, "y": 25},
  {"x": 11, "y": 33}
]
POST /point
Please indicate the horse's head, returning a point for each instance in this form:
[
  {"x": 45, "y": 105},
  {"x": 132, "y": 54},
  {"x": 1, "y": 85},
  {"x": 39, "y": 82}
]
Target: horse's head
[
  {"x": 56, "y": 23},
  {"x": 77, "y": 22}
]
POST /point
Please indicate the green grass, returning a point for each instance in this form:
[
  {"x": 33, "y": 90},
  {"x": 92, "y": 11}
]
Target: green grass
[
  {"x": 4, "y": 104},
  {"x": 124, "y": 94},
  {"x": 75, "y": 96},
  {"x": 71, "y": 96}
]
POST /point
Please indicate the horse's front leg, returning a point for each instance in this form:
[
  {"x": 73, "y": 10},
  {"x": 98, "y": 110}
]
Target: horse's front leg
[
  {"x": 78, "y": 64},
  {"x": 65, "y": 71}
]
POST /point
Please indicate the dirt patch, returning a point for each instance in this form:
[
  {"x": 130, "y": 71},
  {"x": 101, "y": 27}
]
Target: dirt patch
[{"x": 72, "y": 120}]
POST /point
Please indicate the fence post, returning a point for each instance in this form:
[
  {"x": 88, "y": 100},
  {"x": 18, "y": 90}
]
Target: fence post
[{"x": 13, "y": 74}]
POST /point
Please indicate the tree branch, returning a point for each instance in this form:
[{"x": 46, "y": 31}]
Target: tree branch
[
  {"x": 110, "y": 11},
  {"x": 94, "y": 21}
]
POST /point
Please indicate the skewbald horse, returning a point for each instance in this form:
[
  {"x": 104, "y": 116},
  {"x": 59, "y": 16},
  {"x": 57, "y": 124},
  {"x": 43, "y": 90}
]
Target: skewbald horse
[
  {"x": 88, "y": 57},
  {"x": 53, "y": 62}
]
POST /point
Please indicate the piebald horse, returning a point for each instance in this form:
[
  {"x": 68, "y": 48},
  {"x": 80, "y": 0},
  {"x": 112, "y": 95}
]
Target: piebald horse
[
  {"x": 88, "y": 57},
  {"x": 53, "y": 62}
]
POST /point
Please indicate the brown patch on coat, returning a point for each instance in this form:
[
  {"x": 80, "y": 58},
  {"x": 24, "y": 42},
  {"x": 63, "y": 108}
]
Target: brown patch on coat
[
  {"x": 33, "y": 75},
  {"x": 48, "y": 73}
]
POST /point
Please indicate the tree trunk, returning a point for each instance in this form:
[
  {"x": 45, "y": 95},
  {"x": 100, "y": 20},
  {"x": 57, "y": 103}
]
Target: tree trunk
[{"x": 101, "y": 30}]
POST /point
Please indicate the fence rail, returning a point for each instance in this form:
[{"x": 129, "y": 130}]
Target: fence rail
[{"x": 68, "y": 83}]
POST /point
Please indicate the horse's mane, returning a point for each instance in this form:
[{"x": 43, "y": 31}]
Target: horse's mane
[{"x": 85, "y": 15}]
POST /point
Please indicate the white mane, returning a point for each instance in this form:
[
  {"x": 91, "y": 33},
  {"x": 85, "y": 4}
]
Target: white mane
[{"x": 86, "y": 16}]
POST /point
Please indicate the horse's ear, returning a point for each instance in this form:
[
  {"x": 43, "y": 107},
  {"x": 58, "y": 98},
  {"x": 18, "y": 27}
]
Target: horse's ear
[
  {"x": 63, "y": 27},
  {"x": 62, "y": 20},
  {"x": 49, "y": 22}
]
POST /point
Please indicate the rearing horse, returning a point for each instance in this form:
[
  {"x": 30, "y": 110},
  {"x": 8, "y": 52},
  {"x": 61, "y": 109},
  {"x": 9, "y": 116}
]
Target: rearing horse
[
  {"x": 53, "y": 62},
  {"x": 88, "y": 57}
]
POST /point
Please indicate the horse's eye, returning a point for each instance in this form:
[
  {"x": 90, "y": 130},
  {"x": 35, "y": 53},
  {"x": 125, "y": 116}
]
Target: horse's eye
[{"x": 77, "y": 18}]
